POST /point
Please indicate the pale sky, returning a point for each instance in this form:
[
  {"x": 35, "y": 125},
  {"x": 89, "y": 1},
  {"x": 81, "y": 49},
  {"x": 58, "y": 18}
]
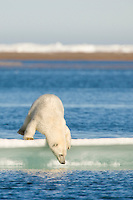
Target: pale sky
[{"x": 68, "y": 22}]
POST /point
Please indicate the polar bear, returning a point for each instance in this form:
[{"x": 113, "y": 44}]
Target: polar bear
[{"x": 46, "y": 115}]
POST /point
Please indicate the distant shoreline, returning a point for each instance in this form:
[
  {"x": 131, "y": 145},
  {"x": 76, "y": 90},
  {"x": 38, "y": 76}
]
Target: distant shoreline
[{"x": 67, "y": 56}]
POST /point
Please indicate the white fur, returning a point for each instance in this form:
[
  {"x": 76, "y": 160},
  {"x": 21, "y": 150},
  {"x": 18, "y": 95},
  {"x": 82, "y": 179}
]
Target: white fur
[{"x": 46, "y": 115}]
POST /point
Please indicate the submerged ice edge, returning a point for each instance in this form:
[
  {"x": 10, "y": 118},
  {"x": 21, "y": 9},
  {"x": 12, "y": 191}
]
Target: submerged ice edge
[
  {"x": 55, "y": 164},
  {"x": 17, "y": 143},
  {"x": 58, "y": 47},
  {"x": 74, "y": 165}
]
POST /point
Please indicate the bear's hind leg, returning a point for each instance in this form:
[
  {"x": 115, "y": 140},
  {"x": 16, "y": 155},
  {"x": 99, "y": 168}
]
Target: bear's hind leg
[
  {"x": 23, "y": 127},
  {"x": 21, "y": 131},
  {"x": 30, "y": 130}
]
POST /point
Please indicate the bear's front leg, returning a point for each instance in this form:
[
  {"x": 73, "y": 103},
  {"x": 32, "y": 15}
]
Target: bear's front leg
[
  {"x": 30, "y": 130},
  {"x": 68, "y": 137}
]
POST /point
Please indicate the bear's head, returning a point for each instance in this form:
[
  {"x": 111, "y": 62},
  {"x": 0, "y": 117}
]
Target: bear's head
[
  {"x": 57, "y": 141},
  {"x": 59, "y": 151},
  {"x": 58, "y": 147}
]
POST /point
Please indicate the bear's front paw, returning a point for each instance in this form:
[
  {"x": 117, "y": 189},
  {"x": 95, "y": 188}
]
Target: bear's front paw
[{"x": 27, "y": 138}]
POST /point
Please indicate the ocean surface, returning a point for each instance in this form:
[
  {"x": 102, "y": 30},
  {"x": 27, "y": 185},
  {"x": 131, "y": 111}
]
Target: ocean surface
[{"x": 98, "y": 102}]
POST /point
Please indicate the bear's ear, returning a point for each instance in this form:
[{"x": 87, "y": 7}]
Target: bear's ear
[{"x": 55, "y": 145}]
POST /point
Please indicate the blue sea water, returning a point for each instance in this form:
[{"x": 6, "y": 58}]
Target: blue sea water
[{"x": 98, "y": 102}]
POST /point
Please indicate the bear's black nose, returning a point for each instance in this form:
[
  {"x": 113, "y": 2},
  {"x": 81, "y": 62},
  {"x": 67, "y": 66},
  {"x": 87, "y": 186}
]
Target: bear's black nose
[
  {"x": 61, "y": 158},
  {"x": 63, "y": 162}
]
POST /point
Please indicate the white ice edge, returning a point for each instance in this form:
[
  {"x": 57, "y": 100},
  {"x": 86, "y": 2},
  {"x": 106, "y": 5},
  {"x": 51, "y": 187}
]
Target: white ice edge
[
  {"x": 102, "y": 142},
  {"x": 15, "y": 143},
  {"x": 58, "y": 47}
]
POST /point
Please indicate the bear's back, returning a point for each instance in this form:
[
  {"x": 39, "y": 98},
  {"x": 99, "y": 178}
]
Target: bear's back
[{"x": 47, "y": 103}]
